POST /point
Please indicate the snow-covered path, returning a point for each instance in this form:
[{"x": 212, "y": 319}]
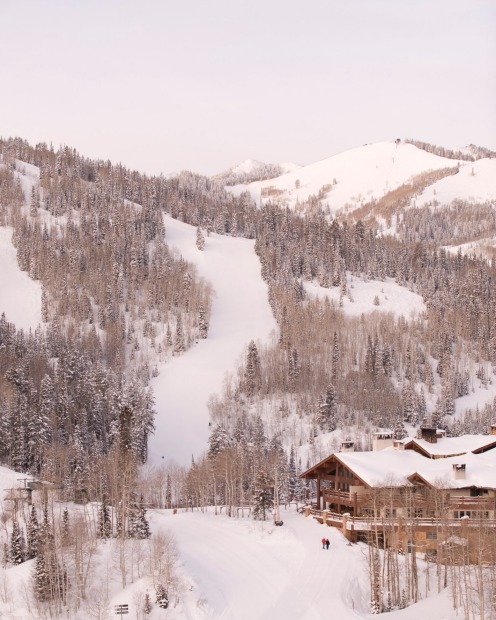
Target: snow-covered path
[
  {"x": 243, "y": 569},
  {"x": 248, "y": 570},
  {"x": 240, "y": 313}
]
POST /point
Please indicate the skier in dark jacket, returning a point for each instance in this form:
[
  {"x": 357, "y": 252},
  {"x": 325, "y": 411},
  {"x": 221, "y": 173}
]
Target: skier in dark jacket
[{"x": 327, "y": 543}]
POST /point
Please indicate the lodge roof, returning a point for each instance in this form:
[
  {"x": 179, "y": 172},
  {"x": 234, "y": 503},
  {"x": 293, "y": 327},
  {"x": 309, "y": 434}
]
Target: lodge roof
[
  {"x": 392, "y": 468},
  {"x": 452, "y": 446}
]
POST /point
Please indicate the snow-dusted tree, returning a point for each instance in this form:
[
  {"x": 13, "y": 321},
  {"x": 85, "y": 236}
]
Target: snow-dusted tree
[
  {"x": 218, "y": 441},
  {"x": 252, "y": 371},
  {"x": 161, "y": 596},
  {"x": 327, "y": 409},
  {"x": 35, "y": 202},
  {"x": 147, "y": 605},
  {"x": 104, "y": 529},
  {"x": 202, "y": 322},
  {"x": 32, "y": 535},
  {"x": 399, "y": 429},
  {"x": 179, "y": 346},
  {"x": 200, "y": 239},
  {"x": 17, "y": 547},
  {"x": 262, "y": 494},
  {"x": 138, "y": 526}
]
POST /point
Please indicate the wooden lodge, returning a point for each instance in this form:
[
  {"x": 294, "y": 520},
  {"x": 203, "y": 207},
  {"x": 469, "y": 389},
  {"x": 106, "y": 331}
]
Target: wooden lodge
[{"x": 411, "y": 487}]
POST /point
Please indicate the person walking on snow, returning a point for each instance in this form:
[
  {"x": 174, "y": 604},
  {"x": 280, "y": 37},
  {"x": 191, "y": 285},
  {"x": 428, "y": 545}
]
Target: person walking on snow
[
  {"x": 323, "y": 541},
  {"x": 327, "y": 543}
]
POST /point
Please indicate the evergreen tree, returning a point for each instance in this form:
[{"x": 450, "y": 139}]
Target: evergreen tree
[
  {"x": 32, "y": 534},
  {"x": 17, "y": 549},
  {"x": 252, "y": 372},
  {"x": 327, "y": 409},
  {"x": 138, "y": 526},
  {"x": 179, "y": 340},
  {"x": 200, "y": 239},
  {"x": 202, "y": 322},
  {"x": 262, "y": 493},
  {"x": 147, "y": 605},
  {"x": 162, "y": 599},
  {"x": 104, "y": 521}
]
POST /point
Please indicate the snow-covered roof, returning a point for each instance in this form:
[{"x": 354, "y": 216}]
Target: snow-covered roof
[
  {"x": 451, "y": 446},
  {"x": 392, "y": 467},
  {"x": 480, "y": 471}
]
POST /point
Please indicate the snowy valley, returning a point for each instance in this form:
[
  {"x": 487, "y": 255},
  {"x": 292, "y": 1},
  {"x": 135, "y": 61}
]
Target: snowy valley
[{"x": 181, "y": 335}]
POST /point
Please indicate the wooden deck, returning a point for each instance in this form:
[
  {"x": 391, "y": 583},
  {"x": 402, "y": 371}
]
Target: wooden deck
[{"x": 363, "y": 524}]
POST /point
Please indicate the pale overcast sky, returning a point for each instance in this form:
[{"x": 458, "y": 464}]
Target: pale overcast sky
[{"x": 167, "y": 85}]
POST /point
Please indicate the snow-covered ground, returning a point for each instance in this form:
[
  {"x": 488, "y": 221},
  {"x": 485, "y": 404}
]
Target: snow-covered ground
[
  {"x": 240, "y": 313},
  {"x": 365, "y": 296},
  {"x": 476, "y": 182},
  {"x": 230, "y": 569}
]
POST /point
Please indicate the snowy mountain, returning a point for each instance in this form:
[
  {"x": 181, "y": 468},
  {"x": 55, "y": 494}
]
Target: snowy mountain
[
  {"x": 252, "y": 170},
  {"x": 356, "y": 177}
]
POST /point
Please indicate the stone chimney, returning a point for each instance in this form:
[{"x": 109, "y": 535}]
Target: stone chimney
[
  {"x": 347, "y": 446},
  {"x": 399, "y": 444},
  {"x": 492, "y": 429},
  {"x": 459, "y": 471},
  {"x": 428, "y": 432}
]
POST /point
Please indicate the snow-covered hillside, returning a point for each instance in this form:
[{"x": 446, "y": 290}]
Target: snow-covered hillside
[
  {"x": 357, "y": 176},
  {"x": 476, "y": 182},
  {"x": 364, "y": 297},
  {"x": 253, "y": 170}
]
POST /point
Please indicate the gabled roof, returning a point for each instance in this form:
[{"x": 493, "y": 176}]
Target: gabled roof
[
  {"x": 393, "y": 468},
  {"x": 480, "y": 471}
]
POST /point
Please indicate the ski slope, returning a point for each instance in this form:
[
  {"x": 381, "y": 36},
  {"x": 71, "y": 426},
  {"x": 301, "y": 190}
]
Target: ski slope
[
  {"x": 20, "y": 297},
  {"x": 240, "y": 313}
]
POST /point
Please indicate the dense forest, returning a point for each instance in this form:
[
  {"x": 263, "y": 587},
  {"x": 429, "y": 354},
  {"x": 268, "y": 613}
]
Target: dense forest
[{"x": 104, "y": 334}]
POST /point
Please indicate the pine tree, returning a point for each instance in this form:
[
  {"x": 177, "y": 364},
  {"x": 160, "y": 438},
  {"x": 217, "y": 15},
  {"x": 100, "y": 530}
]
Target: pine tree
[
  {"x": 161, "y": 597},
  {"x": 104, "y": 521},
  {"x": 32, "y": 535},
  {"x": 263, "y": 500},
  {"x": 399, "y": 428},
  {"x": 327, "y": 409},
  {"x": 202, "y": 322},
  {"x": 65, "y": 526},
  {"x": 200, "y": 239},
  {"x": 147, "y": 605},
  {"x": 138, "y": 526},
  {"x": 252, "y": 372},
  {"x": 179, "y": 341},
  {"x": 17, "y": 548}
]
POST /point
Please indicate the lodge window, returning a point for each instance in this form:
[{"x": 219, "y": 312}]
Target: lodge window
[
  {"x": 475, "y": 492},
  {"x": 431, "y": 535},
  {"x": 390, "y": 512}
]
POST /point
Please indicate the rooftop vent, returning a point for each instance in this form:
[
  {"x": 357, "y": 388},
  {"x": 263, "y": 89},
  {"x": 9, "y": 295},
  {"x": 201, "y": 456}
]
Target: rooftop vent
[
  {"x": 398, "y": 444},
  {"x": 492, "y": 429}
]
